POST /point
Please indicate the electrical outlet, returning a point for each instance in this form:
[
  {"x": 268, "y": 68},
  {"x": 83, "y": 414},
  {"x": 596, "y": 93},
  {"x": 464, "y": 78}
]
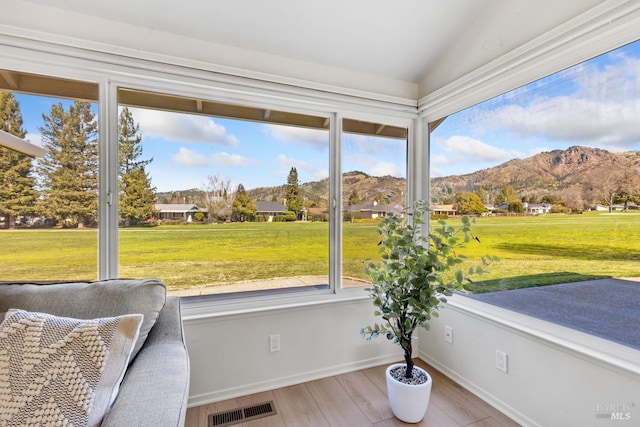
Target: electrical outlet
[
  {"x": 274, "y": 343},
  {"x": 448, "y": 334},
  {"x": 502, "y": 361}
]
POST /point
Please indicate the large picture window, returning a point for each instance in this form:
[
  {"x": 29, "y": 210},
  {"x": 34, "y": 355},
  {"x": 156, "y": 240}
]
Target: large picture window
[
  {"x": 49, "y": 204},
  {"x": 551, "y": 173},
  {"x": 374, "y": 183}
]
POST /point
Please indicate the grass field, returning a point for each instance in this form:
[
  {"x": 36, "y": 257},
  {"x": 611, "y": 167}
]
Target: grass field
[{"x": 533, "y": 250}]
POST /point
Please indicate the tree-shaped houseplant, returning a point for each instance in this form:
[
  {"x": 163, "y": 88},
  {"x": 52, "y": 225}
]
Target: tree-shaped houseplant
[{"x": 419, "y": 268}]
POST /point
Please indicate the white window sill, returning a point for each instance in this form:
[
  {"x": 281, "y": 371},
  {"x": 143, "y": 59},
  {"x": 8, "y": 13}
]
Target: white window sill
[{"x": 601, "y": 351}]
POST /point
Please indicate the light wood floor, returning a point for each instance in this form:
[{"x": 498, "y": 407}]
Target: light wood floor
[{"x": 358, "y": 399}]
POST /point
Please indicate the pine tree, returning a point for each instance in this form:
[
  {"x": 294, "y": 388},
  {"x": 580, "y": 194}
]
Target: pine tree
[
  {"x": 17, "y": 185},
  {"x": 136, "y": 197},
  {"x": 69, "y": 170},
  {"x": 292, "y": 191}
]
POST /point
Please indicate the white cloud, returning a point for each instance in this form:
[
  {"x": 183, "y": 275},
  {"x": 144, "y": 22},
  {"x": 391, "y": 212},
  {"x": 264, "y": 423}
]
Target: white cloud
[
  {"x": 34, "y": 138},
  {"x": 186, "y": 157},
  {"x": 182, "y": 127},
  {"x": 226, "y": 159},
  {"x": 192, "y": 158},
  {"x": 473, "y": 149},
  {"x": 306, "y": 171},
  {"x": 381, "y": 168},
  {"x": 316, "y": 138},
  {"x": 586, "y": 104}
]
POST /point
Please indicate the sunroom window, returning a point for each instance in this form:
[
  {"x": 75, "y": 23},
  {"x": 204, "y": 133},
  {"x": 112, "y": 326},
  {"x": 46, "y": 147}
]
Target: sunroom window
[
  {"x": 49, "y": 204},
  {"x": 374, "y": 183},
  {"x": 550, "y": 171}
]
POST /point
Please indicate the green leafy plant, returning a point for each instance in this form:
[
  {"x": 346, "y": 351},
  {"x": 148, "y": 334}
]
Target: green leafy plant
[{"x": 418, "y": 270}]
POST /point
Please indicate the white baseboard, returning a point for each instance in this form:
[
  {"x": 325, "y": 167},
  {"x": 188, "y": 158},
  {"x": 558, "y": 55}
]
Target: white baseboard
[
  {"x": 247, "y": 389},
  {"x": 492, "y": 400}
]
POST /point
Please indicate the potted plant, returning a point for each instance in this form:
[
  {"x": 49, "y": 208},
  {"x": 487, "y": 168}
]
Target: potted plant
[{"x": 416, "y": 273}]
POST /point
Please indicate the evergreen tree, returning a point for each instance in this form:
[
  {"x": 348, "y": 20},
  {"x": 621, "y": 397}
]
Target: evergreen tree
[
  {"x": 292, "y": 191},
  {"x": 69, "y": 169},
  {"x": 17, "y": 185},
  {"x": 243, "y": 208},
  {"x": 136, "y": 197}
]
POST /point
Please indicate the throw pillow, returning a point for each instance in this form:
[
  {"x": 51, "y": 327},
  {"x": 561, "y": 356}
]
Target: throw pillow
[
  {"x": 60, "y": 370},
  {"x": 82, "y": 300}
]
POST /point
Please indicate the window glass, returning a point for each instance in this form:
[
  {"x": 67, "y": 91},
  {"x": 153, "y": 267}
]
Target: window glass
[
  {"x": 551, "y": 172},
  {"x": 214, "y": 205},
  {"x": 49, "y": 205},
  {"x": 373, "y": 186}
]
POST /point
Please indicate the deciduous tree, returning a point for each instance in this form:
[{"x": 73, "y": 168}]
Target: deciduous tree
[
  {"x": 469, "y": 203},
  {"x": 218, "y": 198}
]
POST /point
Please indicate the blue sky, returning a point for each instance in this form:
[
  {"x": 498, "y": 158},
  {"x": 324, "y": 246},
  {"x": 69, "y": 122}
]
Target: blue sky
[{"x": 595, "y": 104}]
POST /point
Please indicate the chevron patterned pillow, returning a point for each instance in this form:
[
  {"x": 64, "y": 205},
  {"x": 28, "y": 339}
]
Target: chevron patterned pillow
[{"x": 62, "y": 371}]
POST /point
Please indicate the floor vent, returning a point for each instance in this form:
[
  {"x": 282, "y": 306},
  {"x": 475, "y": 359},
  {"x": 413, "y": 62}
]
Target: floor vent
[{"x": 241, "y": 415}]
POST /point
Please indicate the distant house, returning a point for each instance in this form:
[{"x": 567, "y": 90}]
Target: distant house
[
  {"x": 179, "y": 211},
  {"x": 536, "y": 208},
  {"x": 270, "y": 209},
  {"x": 616, "y": 208},
  {"x": 371, "y": 211},
  {"x": 443, "y": 210}
]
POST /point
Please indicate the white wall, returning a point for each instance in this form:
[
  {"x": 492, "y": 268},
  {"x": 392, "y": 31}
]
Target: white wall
[
  {"x": 556, "y": 376},
  {"x": 230, "y": 354}
]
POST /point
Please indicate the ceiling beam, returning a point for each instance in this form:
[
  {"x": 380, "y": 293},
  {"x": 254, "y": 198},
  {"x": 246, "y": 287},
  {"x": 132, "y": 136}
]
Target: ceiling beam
[
  {"x": 11, "y": 78},
  {"x": 18, "y": 144}
]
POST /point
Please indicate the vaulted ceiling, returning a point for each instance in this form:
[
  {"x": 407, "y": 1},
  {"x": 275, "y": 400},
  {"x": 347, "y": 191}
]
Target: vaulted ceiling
[{"x": 404, "y": 48}]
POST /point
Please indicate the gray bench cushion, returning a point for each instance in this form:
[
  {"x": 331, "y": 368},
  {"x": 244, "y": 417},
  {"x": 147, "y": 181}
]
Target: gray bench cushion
[{"x": 84, "y": 300}]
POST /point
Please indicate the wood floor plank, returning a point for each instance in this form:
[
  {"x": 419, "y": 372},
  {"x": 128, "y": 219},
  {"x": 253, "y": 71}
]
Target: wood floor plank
[
  {"x": 377, "y": 376},
  {"x": 298, "y": 408},
  {"x": 458, "y": 403},
  {"x": 369, "y": 398},
  {"x": 193, "y": 417},
  {"x": 358, "y": 399},
  {"x": 336, "y": 405}
]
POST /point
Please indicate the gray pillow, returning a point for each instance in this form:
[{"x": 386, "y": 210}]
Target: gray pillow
[{"x": 82, "y": 300}]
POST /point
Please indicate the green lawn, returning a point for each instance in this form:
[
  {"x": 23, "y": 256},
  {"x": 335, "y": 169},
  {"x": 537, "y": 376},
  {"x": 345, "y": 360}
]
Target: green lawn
[{"x": 533, "y": 251}]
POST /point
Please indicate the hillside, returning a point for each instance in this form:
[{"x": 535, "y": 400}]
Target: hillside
[
  {"x": 558, "y": 173},
  {"x": 367, "y": 188}
]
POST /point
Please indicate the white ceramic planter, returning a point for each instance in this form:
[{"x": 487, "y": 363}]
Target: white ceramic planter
[{"x": 408, "y": 402}]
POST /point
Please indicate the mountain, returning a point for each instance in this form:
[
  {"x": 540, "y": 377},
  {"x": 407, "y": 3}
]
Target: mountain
[
  {"x": 367, "y": 188},
  {"x": 561, "y": 174}
]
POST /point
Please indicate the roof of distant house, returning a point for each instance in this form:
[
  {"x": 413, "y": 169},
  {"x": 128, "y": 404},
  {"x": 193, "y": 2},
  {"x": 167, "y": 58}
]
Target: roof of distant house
[
  {"x": 271, "y": 207},
  {"x": 179, "y": 207}
]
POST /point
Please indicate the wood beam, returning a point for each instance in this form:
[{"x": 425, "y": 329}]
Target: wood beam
[{"x": 11, "y": 78}]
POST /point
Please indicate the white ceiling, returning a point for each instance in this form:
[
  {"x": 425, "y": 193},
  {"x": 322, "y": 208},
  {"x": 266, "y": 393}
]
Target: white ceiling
[
  {"x": 412, "y": 42},
  {"x": 394, "y": 39}
]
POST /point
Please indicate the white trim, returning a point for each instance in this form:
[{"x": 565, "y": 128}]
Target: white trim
[
  {"x": 481, "y": 393},
  {"x": 605, "y": 27},
  {"x": 130, "y": 62},
  {"x": 597, "y": 350},
  {"x": 201, "y": 310},
  {"x": 18, "y": 144},
  {"x": 275, "y": 383}
]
